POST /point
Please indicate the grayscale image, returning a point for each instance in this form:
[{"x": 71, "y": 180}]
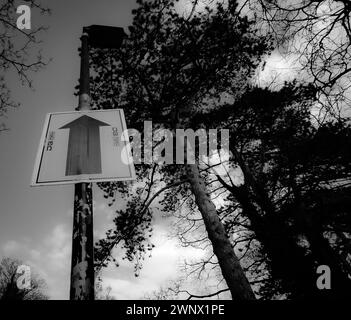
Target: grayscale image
[{"x": 177, "y": 150}]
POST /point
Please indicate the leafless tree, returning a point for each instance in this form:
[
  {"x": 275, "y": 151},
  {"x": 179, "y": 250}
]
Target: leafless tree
[
  {"x": 317, "y": 35},
  {"x": 102, "y": 293},
  {"x": 19, "y": 51}
]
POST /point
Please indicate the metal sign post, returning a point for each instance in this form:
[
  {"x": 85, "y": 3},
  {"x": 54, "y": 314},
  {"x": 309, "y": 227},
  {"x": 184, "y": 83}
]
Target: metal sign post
[
  {"x": 82, "y": 266},
  {"x": 72, "y": 150}
]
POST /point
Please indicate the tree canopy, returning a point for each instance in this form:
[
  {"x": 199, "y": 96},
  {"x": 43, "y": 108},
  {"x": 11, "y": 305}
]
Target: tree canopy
[{"x": 287, "y": 212}]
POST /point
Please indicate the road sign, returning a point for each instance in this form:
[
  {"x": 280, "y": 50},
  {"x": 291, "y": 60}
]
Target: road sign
[{"x": 83, "y": 146}]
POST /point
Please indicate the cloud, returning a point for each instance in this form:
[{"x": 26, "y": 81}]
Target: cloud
[
  {"x": 50, "y": 259},
  {"x": 185, "y": 6},
  {"x": 278, "y": 69},
  {"x": 11, "y": 247},
  {"x": 158, "y": 270}
]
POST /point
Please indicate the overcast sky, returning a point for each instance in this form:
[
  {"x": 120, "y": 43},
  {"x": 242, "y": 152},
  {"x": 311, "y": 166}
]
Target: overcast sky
[{"x": 36, "y": 222}]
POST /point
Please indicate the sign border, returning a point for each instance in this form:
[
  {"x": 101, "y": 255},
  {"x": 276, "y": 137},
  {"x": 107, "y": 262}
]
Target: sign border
[{"x": 84, "y": 177}]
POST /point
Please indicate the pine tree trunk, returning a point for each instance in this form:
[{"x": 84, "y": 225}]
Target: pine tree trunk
[{"x": 231, "y": 269}]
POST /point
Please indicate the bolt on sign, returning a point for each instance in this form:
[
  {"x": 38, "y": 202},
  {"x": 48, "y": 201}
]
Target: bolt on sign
[{"x": 84, "y": 146}]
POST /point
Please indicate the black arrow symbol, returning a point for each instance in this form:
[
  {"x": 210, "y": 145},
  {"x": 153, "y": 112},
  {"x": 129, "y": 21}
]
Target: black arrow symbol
[{"x": 84, "y": 153}]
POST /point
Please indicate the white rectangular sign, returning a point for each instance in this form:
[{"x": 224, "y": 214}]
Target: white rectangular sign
[{"x": 84, "y": 146}]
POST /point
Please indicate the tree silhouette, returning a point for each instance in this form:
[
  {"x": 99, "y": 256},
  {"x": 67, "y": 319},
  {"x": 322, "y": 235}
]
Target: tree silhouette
[
  {"x": 8, "y": 283},
  {"x": 288, "y": 214},
  {"x": 317, "y": 35},
  {"x": 19, "y": 51},
  {"x": 170, "y": 66},
  {"x": 289, "y": 175}
]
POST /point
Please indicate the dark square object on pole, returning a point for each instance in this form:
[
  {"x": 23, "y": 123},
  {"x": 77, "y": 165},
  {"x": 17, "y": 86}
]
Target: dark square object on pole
[{"x": 105, "y": 36}]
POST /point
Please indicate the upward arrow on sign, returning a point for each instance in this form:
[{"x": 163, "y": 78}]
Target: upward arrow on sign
[{"x": 84, "y": 153}]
